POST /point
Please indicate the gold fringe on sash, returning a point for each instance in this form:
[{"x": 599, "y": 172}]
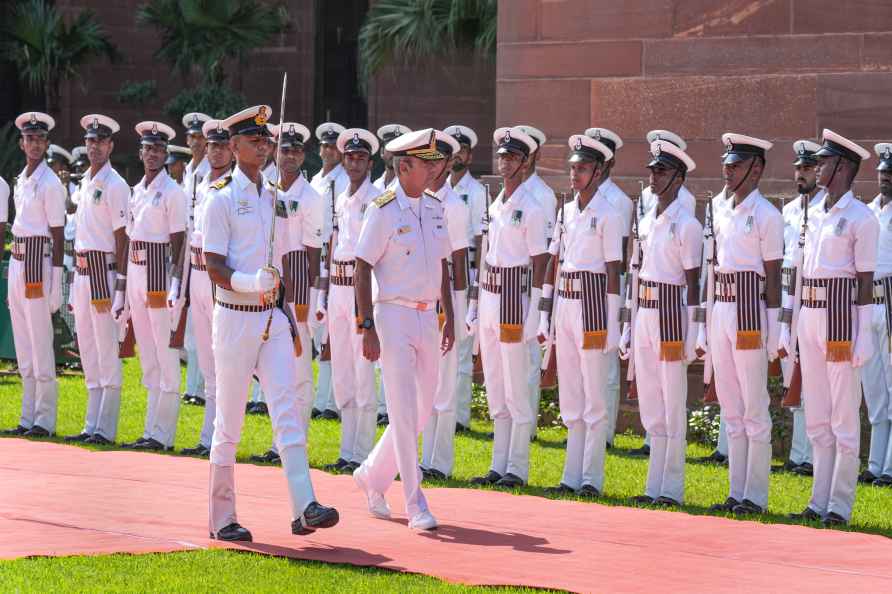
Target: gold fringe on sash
[
  {"x": 671, "y": 350},
  {"x": 156, "y": 299},
  {"x": 101, "y": 305},
  {"x": 510, "y": 332},
  {"x": 839, "y": 351},
  {"x": 33, "y": 290},
  {"x": 441, "y": 320},
  {"x": 298, "y": 348},
  {"x": 749, "y": 340},
  {"x": 301, "y": 312},
  {"x": 596, "y": 339},
  {"x": 358, "y": 322}
]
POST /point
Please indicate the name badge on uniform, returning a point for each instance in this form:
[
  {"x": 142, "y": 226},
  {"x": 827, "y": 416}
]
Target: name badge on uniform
[
  {"x": 840, "y": 226},
  {"x": 593, "y": 224},
  {"x": 404, "y": 229},
  {"x": 281, "y": 211},
  {"x": 672, "y": 231},
  {"x": 156, "y": 199},
  {"x": 516, "y": 217},
  {"x": 748, "y": 227},
  {"x": 243, "y": 207},
  {"x": 362, "y": 209},
  {"x": 97, "y": 194},
  {"x": 464, "y": 198},
  {"x": 293, "y": 205}
]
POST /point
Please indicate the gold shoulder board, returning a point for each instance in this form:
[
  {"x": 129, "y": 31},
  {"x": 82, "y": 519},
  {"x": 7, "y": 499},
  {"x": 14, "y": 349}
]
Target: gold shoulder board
[
  {"x": 430, "y": 194},
  {"x": 385, "y": 198},
  {"x": 222, "y": 182}
]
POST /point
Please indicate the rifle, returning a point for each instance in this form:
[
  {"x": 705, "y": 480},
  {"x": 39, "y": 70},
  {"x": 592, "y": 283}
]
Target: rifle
[
  {"x": 178, "y": 335},
  {"x": 548, "y": 379},
  {"x": 325, "y": 354},
  {"x": 635, "y": 267},
  {"x": 793, "y": 386},
  {"x": 481, "y": 274},
  {"x": 709, "y": 393}
]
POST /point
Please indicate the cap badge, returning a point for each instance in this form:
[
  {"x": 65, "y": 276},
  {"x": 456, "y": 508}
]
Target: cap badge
[
  {"x": 261, "y": 118},
  {"x": 291, "y": 130},
  {"x": 578, "y": 144},
  {"x": 33, "y": 119},
  {"x": 195, "y": 120},
  {"x": 507, "y": 137},
  {"x": 801, "y": 147},
  {"x": 154, "y": 128},
  {"x": 887, "y": 153},
  {"x": 597, "y": 134},
  {"x": 356, "y": 137},
  {"x": 658, "y": 151},
  {"x": 95, "y": 123}
]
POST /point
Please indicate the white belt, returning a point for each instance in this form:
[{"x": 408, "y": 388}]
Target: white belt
[
  {"x": 237, "y": 298},
  {"x": 417, "y": 305}
]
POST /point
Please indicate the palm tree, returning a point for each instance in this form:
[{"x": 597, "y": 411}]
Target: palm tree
[
  {"x": 47, "y": 49},
  {"x": 201, "y": 36},
  {"x": 405, "y": 31}
]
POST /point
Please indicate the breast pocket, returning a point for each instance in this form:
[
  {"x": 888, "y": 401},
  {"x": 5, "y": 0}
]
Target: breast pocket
[
  {"x": 404, "y": 242},
  {"x": 836, "y": 248}
]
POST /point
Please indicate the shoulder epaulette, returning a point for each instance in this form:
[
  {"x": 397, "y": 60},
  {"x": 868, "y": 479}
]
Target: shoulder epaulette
[
  {"x": 430, "y": 194},
  {"x": 222, "y": 182},
  {"x": 385, "y": 198}
]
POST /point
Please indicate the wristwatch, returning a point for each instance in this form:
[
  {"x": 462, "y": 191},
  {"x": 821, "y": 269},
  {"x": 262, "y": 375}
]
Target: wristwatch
[{"x": 367, "y": 324}]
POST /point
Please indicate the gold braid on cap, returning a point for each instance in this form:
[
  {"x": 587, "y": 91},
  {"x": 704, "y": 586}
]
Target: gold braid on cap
[
  {"x": 261, "y": 118},
  {"x": 429, "y": 152}
]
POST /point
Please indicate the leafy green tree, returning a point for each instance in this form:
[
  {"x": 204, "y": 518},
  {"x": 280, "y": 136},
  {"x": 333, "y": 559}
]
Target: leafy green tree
[
  {"x": 47, "y": 48},
  {"x": 404, "y": 31},
  {"x": 200, "y": 37}
]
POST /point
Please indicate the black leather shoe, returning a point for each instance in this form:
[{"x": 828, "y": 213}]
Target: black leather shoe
[
  {"x": 434, "y": 475},
  {"x": 609, "y": 445},
  {"x": 747, "y": 508},
  {"x": 510, "y": 481},
  {"x": 132, "y": 444},
  {"x": 314, "y": 414},
  {"x": 198, "y": 450},
  {"x": 79, "y": 438},
  {"x": 258, "y": 408},
  {"x": 883, "y": 481},
  {"x": 350, "y": 467},
  {"x": 330, "y": 415},
  {"x": 715, "y": 457},
  {"x": 806, "y": 515},
  {"x": 97, "y": 439},
  {"x": 805, "y": 469},
  {"x": 643, "y": 451},
  {"x": 187, "y": 398},
  {"x": 459, "y": 428},
  {"x": 315, "y": 516},
  {"x": 726, "y": 507},
  {"x": 150, "y": 445},
  {"x": 867, "y": 477},
  {"x": 490, "y": 478},
  {"x": 19, "y": 430},
  {"x": 561, "y": 489},
  {"x": 235, "y": 532},
  {"x": 834, "y": 519},
  {"x": 787, "y": 466},
  {"x": 339, "y": 466},
  {"x": 663, "y": 501},
  {"x": 383, "y": 420},
  {"x": 641, "y": 500},
  {"x": 269, "y": 457},
  {"x": 589, "y": 492},
  {"x": 37, "y": 431}
]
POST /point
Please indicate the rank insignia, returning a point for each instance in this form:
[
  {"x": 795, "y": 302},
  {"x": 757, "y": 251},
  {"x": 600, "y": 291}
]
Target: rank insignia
[
  {"x": 516, "y": 217},
  {"x": 464, "y": 198},
  {"x": 404, "y": 229},
  {"x": 593, "y": 224},
  {"x": 281, "y": 210},
  {"x": 672, "y": 230},
  {"x": 749, "y": 224},
  {"x": 97, "y": 194},
  {"x": 156, "y": 199},
  {"x": 293, "y": 205},
  {"x": 840, "y": 226}
]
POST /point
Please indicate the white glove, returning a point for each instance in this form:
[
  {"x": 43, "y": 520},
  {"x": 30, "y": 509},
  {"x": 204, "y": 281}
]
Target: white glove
[
  {"x": 690, "y": 341},
  {"x": 542, "y": 331},
  {"x": 784, "y": 340},
  {"x": 613, "y": 335},
  {"x": 863, "y": 350},
  {"x": 118, "y": 304},
  {"x": 121, "y": 322},
  {"x": 471, "y": 320},
  {"x": 317, "y": 307},
  {"x": 531, "y": 324},
  {"x": 702, "y": 343},
  {"x": 459, "y": 311},
  {"x": 625, "y": 341},
  {"x": 173, "y": 295},
  {"x": 879, "y": 317},
  {"x": 260, "y": 282},
  {"x": 773, "y": 332},
  {"x": 56, "y": 290}
]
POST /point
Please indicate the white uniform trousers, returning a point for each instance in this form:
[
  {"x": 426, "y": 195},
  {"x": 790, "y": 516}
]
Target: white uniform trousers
[
  {"x": 583, "y": 398},
  {"x": 876, "y": 379},
  {"x": 381, "y": 400},
  {"x": 409, "y": 361},
  {"x": 463, "y": 386},
  {"x": 32, "y": 329},
  {"x": 742, "y": 389},
  {"x": 160, "y": 364},
  {"x": 438, "y": 437},
  {"x": 613, "y": 380},
  {"x": 800, "y": 447},
  {"x": 662, "y": 403},
  {"x": 201, "y": 312},
  {"x": 194, "y": 376},
  {"x": 239, "y": 352},
  {"x": 97, "y": 341},
  {"x": 353, "y": 377},
  {"x": 506, "y": 367},
  {"x": 535, "y": 379},
  {"x": 831, "y": 416},
  {"x": 324, "y": 399}
]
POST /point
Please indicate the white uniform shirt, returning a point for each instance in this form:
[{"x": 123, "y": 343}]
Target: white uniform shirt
[
  {"x": 39, "y": 202},
  {"x": 884, "y": 245},
  {"x": 4, "y": 201},
  {"x": 305, "y": 211},
  {"x": 547, "y": 200},
  {"x": 382, "y": 187},
  {"x": 517, "y": 229},
  {"x": 476, "y": 200},
  {"x": 748, "y": 235},
  {"x": 197, "y": 173},
  {"x": 591, "y": 237},
  {"x": 405, "y": 241},
  {"x": 792, "y": 214},
  {"x": 649, "y": 200},
  {"x": 322, "y": 184},
  {"x": 351, "y": 212},
  {"x": 103, "y": 204},
  {"x": 202, "y": 198},
  {"x": 842, "y": 242},
  {"x": 671, "y": 243},
  {"x": 458, "y": 218},
  {"x": 270, "y": 172},
  {"x": 621, "y": 202},
  {"x": 157, "y": 211}
]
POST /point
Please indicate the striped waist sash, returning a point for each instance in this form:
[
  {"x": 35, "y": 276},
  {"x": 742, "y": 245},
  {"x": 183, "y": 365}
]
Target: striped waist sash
[
  {"x": 154, "y": 256},
  {"x": 196, "y": 258},
  {"x": 591, "y": 288},
  {"x": 837, "y": 296},
  {"x": 788, "y": 279},
  {"x": 95, "y": 265},
  {"x": 297, "y": 283},
  {"x": 668, "y": 300},
  {"x": 510, "y": 284},
  {"x": 342, "y": 272},
  {"x": 32, "y": 251},
  {"x": 747, "y": 290}
]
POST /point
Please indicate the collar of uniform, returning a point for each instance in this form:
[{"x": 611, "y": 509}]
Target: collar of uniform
[
  {"x": 670, "y": 213},
  {"x": 875, "y": 204},
  {"x": 843, "y": 202},
  {"x": 817, "y": 198},
  {"x": 335, "y": 172},
  {"x": 749, "y": 203},
  {"x": 297, "y": 186},
  {"x": 103, "y": 172},
  {"x": 241, "y": 180},
  {"x": 360, "y": 191},
  {"x": 159, "y": 182},
  {"x": 599, "y": 195},
  {"x": 402, "y": 199},
  {"x": 460, "y": 183},
  {"x": 37, "y": 175},
  {"x": 190, "y": 170}
]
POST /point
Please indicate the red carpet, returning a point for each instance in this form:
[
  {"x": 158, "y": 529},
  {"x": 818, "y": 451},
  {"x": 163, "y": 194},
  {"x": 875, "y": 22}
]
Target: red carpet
[{"x": 60, "y": 500}]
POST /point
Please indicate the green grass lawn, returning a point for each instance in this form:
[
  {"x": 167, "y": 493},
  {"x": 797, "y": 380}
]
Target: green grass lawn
[{"x": 625, "y": 475}]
